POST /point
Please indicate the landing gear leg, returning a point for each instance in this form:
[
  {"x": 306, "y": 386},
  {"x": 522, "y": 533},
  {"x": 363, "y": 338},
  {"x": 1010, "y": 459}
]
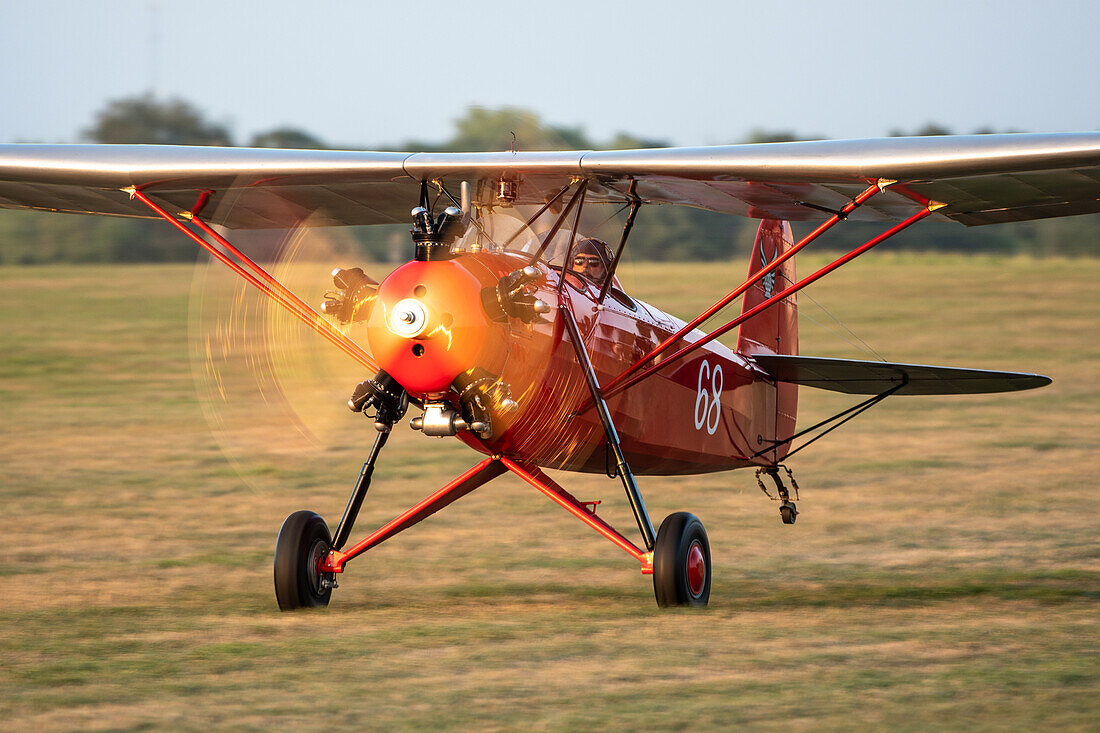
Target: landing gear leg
[
  {"x": 355, "y": 501},
  {"x": 788, "y": 512},
  {"x": 304, "y": 542},
  {"x": 645, "y": 524},
  {"x": 680, "y": 551}
]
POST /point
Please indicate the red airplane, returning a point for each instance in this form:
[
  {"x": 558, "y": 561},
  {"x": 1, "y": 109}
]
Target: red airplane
[{"x": 510, "y": 331}]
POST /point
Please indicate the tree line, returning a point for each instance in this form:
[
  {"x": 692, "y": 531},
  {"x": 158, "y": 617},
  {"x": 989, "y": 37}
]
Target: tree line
[{"x": 662, "y": 232}]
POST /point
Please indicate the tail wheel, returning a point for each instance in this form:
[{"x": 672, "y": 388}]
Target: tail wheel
[
  {"x": 304, "y": 542},
  {"x": 681, "y": 562}
]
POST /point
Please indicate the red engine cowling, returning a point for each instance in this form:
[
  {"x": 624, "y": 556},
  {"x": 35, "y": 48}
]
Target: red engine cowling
[{"x": 429, "y": 325}]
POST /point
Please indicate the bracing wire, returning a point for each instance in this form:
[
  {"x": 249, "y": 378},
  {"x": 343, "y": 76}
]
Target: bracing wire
[{"x": 862, "y": 345}]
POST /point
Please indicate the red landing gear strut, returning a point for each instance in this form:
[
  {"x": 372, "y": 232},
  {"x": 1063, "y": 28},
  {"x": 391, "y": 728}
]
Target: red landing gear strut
[
  {"x": 485, "y": 471},
  {"x": 307, "y": 561}
]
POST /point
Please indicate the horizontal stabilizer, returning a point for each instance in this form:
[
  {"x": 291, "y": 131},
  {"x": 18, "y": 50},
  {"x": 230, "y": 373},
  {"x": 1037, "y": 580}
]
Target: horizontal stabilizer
[{"x": 875, "y": 377}]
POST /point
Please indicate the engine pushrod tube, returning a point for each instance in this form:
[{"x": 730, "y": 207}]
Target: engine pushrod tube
[
  {"x": 637, "y": 505},
  {"x": 354, "y": 353},
  {"x": 653, "y": 368},
  {"x": 748, "y": 283}
]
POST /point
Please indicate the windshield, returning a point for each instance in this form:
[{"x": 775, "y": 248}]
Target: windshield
[{"x": 505, "y": 230}]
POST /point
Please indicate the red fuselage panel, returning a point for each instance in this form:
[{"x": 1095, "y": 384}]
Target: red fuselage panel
[{"x": 698, "y": 416}]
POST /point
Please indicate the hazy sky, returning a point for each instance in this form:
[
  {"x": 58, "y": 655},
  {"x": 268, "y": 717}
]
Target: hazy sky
[{"x": 363, "y": 73}]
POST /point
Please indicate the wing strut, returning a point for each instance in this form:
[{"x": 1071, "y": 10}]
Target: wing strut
[
  {"x": 756, "y": 277},
  {"x": 567, "y": 262},
  {"x": 534, "y": 217},
  {"x": 635, "y": 202},
  {"x": 653, "y": 368},
  {"x": 577, "y": 195},
  {"x": 259, "y": 277}
]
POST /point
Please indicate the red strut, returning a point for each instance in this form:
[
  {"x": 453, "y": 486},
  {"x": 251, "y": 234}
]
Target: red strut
[
  {"x": 753, "y": 279},
  {"x": 483, "y": 472},
  {"x": 536, "y": 478},
  {"x": 279, "y": 293},
  {"x": 274, "y": 282},
  {"x": 653, "y": 368}
]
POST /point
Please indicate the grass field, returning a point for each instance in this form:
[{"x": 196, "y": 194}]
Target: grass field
[{"x": 944, "y": 573}]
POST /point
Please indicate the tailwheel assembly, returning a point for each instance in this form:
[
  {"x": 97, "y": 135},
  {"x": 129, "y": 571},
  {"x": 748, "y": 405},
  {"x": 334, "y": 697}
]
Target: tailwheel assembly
[
  {"x": 681, "y": 562},
  {"x": 788, "y": 512},
  {"x": 304, "y": 543}
]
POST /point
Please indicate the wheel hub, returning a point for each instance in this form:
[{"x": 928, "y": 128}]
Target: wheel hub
[
  {"x": 317, "y": 554},
  {"x": 696, "y": 568}
]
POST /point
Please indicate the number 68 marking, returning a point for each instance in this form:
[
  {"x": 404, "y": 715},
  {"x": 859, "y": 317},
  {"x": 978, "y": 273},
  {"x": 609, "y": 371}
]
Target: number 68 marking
[{"x": 708, "y": 403}]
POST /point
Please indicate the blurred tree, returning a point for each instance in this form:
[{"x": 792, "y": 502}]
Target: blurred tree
[
  {"x": 758, "y": 135},
  {"x": 929, "y": 129},
  {"x": 683, "y": 233},
  {"x": 147, "y": 120},
  {"x": 626, "y": 141},
  {"x": 482, "y": 128},
  {"x": 31, "y": 237},
  {"x": 286, "y": 137},
  {"x": 987, "y": 130}
]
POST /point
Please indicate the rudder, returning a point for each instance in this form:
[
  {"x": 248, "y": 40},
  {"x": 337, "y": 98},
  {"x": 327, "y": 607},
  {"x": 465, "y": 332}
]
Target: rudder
[{"x": 774, "y": 331}]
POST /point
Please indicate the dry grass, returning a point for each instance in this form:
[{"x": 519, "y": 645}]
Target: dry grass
[{"x": 945, "y": 571}]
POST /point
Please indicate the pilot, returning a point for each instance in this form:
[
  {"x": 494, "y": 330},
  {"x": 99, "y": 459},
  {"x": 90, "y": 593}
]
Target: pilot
[{"x": 590, "y": 259}]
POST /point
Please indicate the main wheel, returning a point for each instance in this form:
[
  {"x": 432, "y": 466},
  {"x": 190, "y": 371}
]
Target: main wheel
[
  {"x": 681, "y": 562},
  {"x": 303, "y": 543}
]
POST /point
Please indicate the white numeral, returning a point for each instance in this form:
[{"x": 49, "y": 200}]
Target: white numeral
[{"x": 708, "y": 403}]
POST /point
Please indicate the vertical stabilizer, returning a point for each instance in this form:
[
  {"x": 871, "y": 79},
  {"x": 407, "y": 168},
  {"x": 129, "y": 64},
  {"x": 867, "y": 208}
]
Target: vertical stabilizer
[{"x": 774, "y": 331}]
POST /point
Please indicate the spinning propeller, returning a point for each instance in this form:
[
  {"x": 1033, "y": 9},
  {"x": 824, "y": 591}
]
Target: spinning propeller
[{"x": 436, "y": 327}]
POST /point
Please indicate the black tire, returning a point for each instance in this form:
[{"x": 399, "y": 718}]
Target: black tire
[
  {"x": 303, "y": 540},
  {"x": 788, "y": 514},
  {"x": 681, "y": 551}
]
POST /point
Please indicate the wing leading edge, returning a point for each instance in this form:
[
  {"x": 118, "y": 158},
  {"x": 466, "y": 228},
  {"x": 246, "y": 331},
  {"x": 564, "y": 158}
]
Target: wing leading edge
[
  {"x": 875, "y": 377},
  {"x": 981, "y": 179}
]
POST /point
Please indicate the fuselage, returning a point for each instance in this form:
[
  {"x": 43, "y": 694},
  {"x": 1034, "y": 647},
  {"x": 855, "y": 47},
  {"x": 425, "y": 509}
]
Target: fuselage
[{"x": 711, "y": 411}]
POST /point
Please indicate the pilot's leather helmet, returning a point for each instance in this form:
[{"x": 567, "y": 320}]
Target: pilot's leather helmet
[{"x": 593, "y": 246}]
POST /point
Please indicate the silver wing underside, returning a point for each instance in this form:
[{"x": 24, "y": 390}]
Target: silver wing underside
[{"x": 981, "y": 179}]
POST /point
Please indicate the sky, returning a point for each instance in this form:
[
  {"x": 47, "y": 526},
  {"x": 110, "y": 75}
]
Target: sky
[{"x": 691, "y": 73}]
